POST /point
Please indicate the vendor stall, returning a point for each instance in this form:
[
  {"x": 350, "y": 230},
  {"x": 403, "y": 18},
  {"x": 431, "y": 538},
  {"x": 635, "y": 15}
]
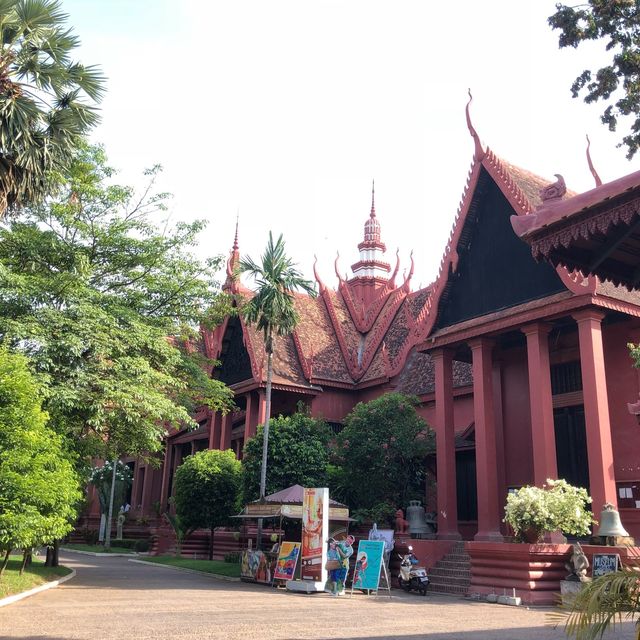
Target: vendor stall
[{"x": 284, "y": 509}]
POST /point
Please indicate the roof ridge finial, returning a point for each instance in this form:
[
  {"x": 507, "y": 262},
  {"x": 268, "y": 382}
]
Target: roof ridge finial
[
  {"x": 373, "y": 198},
  {"x": 235, "y": 239},
  {"x": 479, "y": 152},
  {"x": 594, "y": 173}
]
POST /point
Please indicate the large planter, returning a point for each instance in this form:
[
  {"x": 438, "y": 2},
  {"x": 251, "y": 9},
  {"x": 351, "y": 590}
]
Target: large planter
[
  {"x": 532, "y": 535},
  {"x": 533, "y": 570}
]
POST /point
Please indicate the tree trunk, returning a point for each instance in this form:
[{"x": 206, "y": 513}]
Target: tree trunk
[
  {"x": 211, "y": 543},
  {"x": 107, "y": 536},
  {"x": 26, "y": 555},
  {"x": 265, "y": 431},
  {"x": 5, "y": 562},
  {"x": 53, "y": 553}
]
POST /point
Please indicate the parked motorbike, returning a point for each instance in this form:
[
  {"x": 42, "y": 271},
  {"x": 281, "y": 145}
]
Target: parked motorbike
[{"x": 411, "y": 576}]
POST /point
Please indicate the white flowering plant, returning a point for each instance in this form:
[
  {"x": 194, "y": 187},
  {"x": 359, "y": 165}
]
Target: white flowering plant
[{"x": 556, "y": 506}]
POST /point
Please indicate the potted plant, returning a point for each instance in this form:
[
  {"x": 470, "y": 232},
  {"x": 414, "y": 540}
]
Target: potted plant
[{"x": 556, "y": 506}]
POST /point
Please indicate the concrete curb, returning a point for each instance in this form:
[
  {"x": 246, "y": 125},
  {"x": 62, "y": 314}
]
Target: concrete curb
[
  {"x": 98, "y": 555},
  {"x": 32, "y": 592},
  {"x": 217, "y": 576}
]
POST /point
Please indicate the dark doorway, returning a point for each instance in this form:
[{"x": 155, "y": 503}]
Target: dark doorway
[
  {"x": 571, "y": 445},
  {"x": 466, "y": 485}
]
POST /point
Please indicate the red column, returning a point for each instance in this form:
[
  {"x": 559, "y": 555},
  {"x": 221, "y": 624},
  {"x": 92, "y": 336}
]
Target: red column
[
  {"x": 146, "y": 488},
  {"x": 543, "y": 437},
  {"x": 489, "y": 507},
  {"x": 214, "y": 430},
  {"x": 445, "y": 446},
  {"x": 225, "y": 433},
  {"x": 251, "y": 417},
  {"x": 262, "y": 407},
  {"x": 602, "y": 482},
  {"x": 168, "y": 455}
]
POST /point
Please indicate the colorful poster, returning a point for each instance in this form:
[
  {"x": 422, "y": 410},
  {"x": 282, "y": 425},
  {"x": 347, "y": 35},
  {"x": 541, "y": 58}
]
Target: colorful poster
[
  {"x": 315, "y": 528},
  {"x": 287, "y": 561},
  {"x": 255, "y": 565},
  {"x": 368, "y": 564}
]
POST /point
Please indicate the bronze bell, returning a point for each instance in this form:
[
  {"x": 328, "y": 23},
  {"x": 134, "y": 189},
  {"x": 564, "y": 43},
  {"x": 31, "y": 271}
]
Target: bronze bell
[{"x": 610, "y": 525}]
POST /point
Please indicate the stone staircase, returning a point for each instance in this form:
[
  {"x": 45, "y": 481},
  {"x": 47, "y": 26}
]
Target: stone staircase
[{"x": 452, "y": 574}]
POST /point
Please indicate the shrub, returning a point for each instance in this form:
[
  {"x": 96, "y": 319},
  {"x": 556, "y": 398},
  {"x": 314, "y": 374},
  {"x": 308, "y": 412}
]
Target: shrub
[
  {"x": 233, "y": 557},
  {"x": 557, "y": 506},
  {"x": 383, "y": 514},
  {"x": 142, "y": 546},
  {"x": 90, "y": 536}
]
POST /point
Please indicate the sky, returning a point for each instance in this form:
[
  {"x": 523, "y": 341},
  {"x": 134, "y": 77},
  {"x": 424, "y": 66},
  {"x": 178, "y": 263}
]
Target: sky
[{"x": 285, "y": 111}]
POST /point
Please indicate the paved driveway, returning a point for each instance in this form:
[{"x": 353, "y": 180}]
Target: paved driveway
[{"x": 112, "y": 598}]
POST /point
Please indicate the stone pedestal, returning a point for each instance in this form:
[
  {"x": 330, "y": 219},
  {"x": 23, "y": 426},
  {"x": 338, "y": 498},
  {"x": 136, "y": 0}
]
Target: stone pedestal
[{"x": 568, "y": 590}]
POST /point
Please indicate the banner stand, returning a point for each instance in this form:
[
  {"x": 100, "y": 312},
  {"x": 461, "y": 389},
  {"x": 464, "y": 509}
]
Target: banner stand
[
  {"x": 384, "y": 575},
  {"x": 370, "y": 573}
]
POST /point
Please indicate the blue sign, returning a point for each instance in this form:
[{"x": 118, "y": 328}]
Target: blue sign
[{"x": 368, "y": 564}]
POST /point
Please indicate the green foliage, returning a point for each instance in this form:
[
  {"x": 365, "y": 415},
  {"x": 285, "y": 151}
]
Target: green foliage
[
  {"x": 382, "y": 453},
  {"x": 233, "y": 557},
  {"x": 39, "y": 488},
  {"x": 298, "y": 454},
  {"x": 142, "y": 546},
  {"x": 271, "y": 309},
  {"x": 617, "y": 22},
  {"x": 207, "y": 489},
  {"x": 47, "y": 100},
  {"x": 557, "y": 506},
  {"x": 383, "y": 514},
  {"x": 179, "y": 529},
  {"x": 101, "y": 478},
  {"x": 14, "y": 581},
  {"x": 91, "y": 286},
  {"x": 605, "y": 602},
  {"x": 229, "y": 569}
]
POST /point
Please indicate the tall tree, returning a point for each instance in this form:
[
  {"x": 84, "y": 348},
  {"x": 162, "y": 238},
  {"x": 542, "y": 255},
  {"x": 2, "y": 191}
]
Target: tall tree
[
  {"x": 382, "y": 452},
  {"x": 106, "y": 299},
  {"x": 271, "y": 310},
  {"x": 207, "y": 490},
  {"x": 39, "y": 487},
  {"x": 47, "y": 100},
  {"x": 298, "y": 451},
  {"x": 617, "y": 22}
]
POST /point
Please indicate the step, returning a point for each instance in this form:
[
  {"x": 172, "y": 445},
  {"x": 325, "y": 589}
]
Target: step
[
  {"x": 452, "y": 564},
  {"x": 457, "y": 557},
  {"x": 446, "y": 573},
  {"x": 453, "y": 580},
  {"x": 448, "y": 590}
]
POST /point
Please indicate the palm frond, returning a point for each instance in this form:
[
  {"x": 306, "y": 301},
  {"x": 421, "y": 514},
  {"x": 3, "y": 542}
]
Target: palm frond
[{"x": 605, "y": 602}]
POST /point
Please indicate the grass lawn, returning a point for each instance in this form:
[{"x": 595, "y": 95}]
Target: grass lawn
[
  {"x": 96, "y": 548},
  {"x": 33, "y": 576},
  {"x": 230, "y": 569}
]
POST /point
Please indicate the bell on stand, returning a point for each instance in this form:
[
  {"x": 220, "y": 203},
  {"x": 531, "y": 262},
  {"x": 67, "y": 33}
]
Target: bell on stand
[{"x": 610, "y": 525}]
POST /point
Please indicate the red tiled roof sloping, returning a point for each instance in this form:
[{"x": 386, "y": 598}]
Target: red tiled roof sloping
[
  {"x": 418, "y": 375},
  {"x": 318, "y": 341},
  {"x": 617, "y": 292}
]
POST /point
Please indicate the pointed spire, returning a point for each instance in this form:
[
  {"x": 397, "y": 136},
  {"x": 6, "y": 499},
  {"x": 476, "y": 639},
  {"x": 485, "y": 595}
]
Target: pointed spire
[
  {"x": 373, "y": 199},
  {"x": 594, "y": 173},
  {"x": 235, "y": 240},
  {"x": 231, "y": 283},
  {"x": 479, "y": 151}
]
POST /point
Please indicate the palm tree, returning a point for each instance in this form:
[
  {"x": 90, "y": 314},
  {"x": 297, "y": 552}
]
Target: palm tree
[
  {"x": 607, "y": 600},
  {"x": 47, "y": 100},
  {"x": 271, "y": 311}
]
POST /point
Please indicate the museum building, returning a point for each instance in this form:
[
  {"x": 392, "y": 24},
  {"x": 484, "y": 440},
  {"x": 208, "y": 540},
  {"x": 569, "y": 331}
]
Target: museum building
[{"x": 521, "y": 367}]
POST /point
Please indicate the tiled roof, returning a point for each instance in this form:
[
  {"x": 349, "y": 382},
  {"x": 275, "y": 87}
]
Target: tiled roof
[{"x": 418, "y": 375}]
